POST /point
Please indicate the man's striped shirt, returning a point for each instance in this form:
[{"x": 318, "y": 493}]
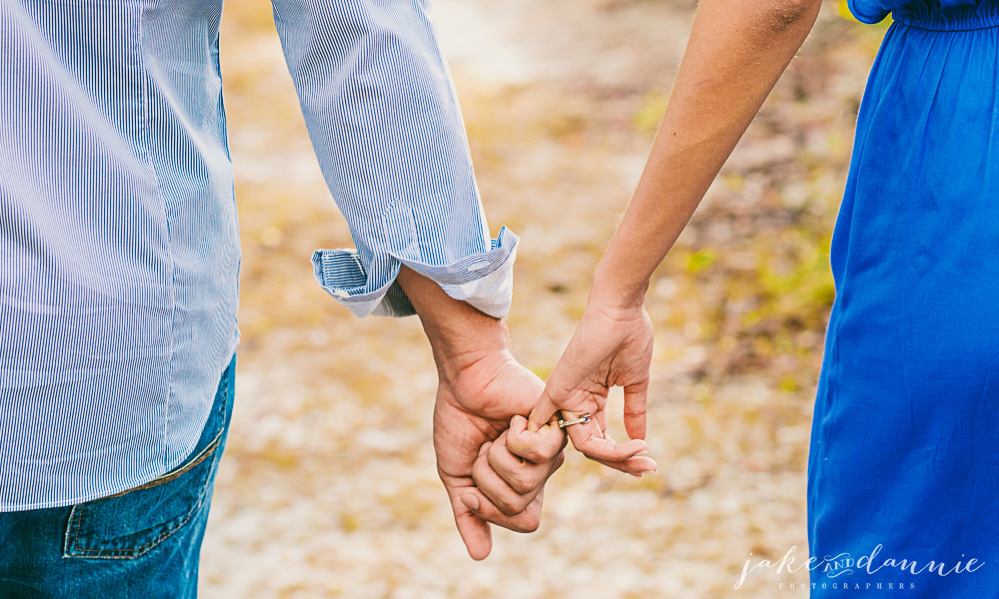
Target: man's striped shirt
[{"x": 119, "y": 247}]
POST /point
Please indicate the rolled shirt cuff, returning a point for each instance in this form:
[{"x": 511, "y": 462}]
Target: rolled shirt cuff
[{"x": 482, "y": 279}]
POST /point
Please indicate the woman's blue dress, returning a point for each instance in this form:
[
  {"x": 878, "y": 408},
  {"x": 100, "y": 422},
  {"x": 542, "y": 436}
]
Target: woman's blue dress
[{"x": 904, "y": 457}]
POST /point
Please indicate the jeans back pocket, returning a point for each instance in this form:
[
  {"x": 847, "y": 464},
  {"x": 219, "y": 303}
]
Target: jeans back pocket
[{"x": 133, "y": 522}]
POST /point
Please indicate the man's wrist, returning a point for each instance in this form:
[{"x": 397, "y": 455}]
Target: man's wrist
[
  {"x": 461, "y": 343},
  {"x": 459, "y": 334}
]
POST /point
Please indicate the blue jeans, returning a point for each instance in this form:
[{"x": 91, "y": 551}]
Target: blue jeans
[{"x": 142, "y": 543}]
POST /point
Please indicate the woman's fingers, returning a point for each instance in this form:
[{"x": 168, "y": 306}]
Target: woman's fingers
[
  {"x": 589, "y": 439},
  {"x": 636, "y": 466},
  {"x": 542, "y": 412},
  {"x": 635, "y": 405}
]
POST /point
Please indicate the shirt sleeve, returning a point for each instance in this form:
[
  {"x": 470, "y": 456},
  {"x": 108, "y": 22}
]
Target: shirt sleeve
[{"x": 384, "y": 120}]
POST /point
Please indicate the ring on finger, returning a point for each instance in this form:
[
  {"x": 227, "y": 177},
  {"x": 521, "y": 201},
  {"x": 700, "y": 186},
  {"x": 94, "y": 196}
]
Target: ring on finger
[{"x": 562, "y": 423}]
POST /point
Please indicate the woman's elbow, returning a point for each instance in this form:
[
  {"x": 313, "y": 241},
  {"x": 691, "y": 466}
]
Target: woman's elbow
[{"x": 784, "y": 15}]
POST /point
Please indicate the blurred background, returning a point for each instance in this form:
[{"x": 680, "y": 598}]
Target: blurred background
[{"x": 329, "y": 487}]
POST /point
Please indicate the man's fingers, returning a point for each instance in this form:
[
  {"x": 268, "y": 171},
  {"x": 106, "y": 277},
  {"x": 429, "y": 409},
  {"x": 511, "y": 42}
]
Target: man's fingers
[
  {"x": 541, "y": 445},
  {"x": 526, "y": 521},
  {"x": 474, "y": 530},
  {"x": 495, "y": 488},
  {"x": 559, "y": 460},
  {"x": 522, "y": 476},
  {"x": 475, "y": 533}
]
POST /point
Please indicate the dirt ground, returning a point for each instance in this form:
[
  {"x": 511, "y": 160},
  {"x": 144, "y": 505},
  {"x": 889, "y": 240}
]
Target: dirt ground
[{"x": 328, "y": 487}]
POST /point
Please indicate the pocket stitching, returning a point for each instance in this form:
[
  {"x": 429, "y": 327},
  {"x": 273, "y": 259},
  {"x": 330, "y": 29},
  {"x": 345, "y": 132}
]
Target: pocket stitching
[
  {"x": 125, "y": 553},
  {"x": 76, "y": 517}
]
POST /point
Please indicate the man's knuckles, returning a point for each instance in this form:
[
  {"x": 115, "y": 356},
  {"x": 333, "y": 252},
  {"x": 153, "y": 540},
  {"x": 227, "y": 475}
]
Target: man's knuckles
[
  {"x": 534, "y": 447},
  {"x": 523, "y": 484}
]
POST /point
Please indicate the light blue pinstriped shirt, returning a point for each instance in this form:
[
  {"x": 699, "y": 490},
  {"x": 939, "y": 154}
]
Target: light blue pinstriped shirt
[{"x": 119, "y": 247}]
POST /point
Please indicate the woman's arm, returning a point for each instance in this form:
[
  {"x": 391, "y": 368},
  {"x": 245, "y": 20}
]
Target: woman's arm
[{"x": 737, "y": 51}]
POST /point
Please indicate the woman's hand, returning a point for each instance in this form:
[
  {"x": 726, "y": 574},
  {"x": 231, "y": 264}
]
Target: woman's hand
[{"x": 612, "y": 347}]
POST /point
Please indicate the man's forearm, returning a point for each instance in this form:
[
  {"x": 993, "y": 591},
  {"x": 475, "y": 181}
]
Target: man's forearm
[
  {"x": 384, "y": 121},
  {"x": 737, "y": 51},
  {"x": 458, "y": 333}
]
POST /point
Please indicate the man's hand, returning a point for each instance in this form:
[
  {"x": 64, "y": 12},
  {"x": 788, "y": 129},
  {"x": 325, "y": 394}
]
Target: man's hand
[
  {"x": 485, "y": 481},
  {"x": 481, "y": 389},
  {"x": 611, "y": 347}
]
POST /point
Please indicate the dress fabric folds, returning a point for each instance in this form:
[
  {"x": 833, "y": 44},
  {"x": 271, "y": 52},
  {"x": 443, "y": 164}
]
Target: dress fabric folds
[{"x": 904, "y": 456}]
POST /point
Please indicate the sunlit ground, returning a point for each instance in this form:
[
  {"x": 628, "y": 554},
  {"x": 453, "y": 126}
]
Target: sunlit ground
[{"x": 328, "y": 487}]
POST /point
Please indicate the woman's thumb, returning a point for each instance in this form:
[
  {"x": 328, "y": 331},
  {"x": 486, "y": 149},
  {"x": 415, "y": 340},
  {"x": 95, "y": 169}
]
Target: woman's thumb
[{"x": 542, "y": 411}]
